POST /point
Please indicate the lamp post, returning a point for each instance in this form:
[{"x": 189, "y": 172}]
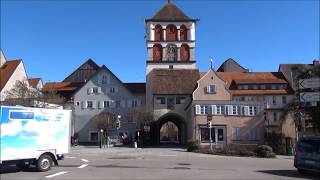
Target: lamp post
[{"x": 101, "y": 136}]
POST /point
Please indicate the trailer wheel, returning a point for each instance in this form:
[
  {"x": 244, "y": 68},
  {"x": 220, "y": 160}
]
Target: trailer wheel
[{"x": 44, "y": 163}]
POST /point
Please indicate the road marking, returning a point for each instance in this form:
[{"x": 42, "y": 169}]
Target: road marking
[
  {"x": 84, "y": 160},
  {"x": 167, "y": 155},
  {"x": 83, "y": 166},
  {"x": 70, "y": 157},
  {"x": 56, "y": 174}
]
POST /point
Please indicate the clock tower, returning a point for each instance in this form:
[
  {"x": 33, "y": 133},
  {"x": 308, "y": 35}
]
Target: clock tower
[{"x": 170, "y": 39}]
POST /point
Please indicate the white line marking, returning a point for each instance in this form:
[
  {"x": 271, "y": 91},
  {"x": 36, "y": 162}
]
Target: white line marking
[
  {"x": 56, "y": 174},
  {"x": 82, "y": 166},
  {"x": 84, "y": 160},
  {"x": 70, "y": 157},
  {"x": 167, "y": 155}
]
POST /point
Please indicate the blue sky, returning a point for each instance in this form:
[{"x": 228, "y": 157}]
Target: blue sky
[{"x": 54, "y": 37}]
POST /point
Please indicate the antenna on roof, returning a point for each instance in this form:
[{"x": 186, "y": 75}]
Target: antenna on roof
[{"x": 211, "y": 62}]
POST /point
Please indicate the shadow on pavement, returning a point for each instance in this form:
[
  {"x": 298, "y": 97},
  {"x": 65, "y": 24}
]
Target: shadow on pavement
[
  {"x": 5, "y": 169},
  {"x": 292, "y": 174}
]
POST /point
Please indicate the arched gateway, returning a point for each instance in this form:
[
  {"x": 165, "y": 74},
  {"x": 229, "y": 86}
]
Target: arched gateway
[{"x": 169, "y": 128}]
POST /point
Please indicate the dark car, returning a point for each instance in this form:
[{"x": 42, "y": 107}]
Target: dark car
[{"x": 307, "y": 157}]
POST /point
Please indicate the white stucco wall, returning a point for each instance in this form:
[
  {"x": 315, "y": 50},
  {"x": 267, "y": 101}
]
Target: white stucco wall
[{"x": 18, "y": 75}]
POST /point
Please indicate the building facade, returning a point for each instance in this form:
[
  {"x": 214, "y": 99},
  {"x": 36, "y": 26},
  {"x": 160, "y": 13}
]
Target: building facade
[{"x": 233, "y": 121}]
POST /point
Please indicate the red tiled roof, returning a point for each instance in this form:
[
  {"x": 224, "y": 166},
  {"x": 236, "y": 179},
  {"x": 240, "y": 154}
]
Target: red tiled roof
[
  {"x": 136, "y": 88},
  {"x": 202, "y": 74},
  {"x": 260, "y": 81},
  {"x": 33, "y": 82},
  {"x": 6, "y": 71},
  {"x": 61, "y": 86},
  {"x": 170, "y": 12},
  {"x": 255, "y": 78},
  {"x": 261, "y": 92}
]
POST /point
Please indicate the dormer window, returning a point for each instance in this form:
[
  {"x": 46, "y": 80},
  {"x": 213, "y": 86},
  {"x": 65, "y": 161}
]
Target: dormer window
[{"x": 211, "y": 89}]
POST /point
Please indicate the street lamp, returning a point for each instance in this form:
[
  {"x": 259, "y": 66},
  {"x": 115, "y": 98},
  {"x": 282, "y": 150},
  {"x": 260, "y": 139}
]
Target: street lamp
[{"x": 101, "y": 136}]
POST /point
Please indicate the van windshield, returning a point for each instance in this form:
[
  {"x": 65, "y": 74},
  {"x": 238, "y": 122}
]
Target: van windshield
[{"x": 309, "y": 146}]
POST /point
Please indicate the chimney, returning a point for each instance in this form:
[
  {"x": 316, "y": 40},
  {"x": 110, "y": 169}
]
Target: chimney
[{"x": 315, "y": 62}]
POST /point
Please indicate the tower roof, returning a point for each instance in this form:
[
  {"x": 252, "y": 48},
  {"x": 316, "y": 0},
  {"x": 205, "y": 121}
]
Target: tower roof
[{"x": 170, "y": 12}]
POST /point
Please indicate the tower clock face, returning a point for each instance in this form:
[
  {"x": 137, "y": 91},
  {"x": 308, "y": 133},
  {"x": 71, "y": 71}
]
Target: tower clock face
[{"x": 172, "y": 52}]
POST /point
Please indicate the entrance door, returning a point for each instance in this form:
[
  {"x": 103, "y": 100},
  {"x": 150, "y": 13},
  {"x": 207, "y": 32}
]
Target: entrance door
[{"x": 220, "y": 134}]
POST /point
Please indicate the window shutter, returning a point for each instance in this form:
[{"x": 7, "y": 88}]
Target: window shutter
[
  {"x": 246, "y": 110},
  {"x": 89, "y": 91},
  {"x": 240, "y": 134},
  {"x": 229, "y": 109},
  {"x": 234, "y": 133},
  {"x": 86, "y": 105},
  {"x": 100, "y": 103},
  {"x": 197, "y": 109},
  {"x": 213, "y": 109},
  {"x": 99, "y": 90},
  {"x": 215, "y": 89},
  {"x": 82, "y": 104},
  {"x": 94, "y": 104}
]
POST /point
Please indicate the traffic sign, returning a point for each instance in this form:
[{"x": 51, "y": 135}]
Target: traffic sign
[
  {"x": 309, "y": 83},
  {"x": 309, "y": 96}
]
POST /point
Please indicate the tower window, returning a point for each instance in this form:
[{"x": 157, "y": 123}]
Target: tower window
[
  {"x": 184, "y": 52},
  {"x": 157, "y": 52},
  {"x": 183, "y": 33},
  {"x": 171, "y": 33},
  {"x": 158, "y": 33}
]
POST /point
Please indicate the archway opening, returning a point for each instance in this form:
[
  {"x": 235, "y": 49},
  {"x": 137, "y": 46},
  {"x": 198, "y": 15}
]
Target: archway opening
[
  {"x": 169, "y": 133},
  {"x": 169, "y": 129}
]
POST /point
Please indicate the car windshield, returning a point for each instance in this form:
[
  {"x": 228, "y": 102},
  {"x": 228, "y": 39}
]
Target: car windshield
[{"x": 309, "y": 146}]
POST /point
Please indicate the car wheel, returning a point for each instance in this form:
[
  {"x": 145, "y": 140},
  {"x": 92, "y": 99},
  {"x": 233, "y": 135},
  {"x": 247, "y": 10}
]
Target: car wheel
[
  {"x": 44, "y": 163},
  {"x": 302, "y": 171}
]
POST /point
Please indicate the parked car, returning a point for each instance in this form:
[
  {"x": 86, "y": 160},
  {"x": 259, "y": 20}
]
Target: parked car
[{"x": 307, "y": 156}]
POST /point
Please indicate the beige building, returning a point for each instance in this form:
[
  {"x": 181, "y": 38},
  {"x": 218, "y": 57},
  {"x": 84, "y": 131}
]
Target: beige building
[{"x": 233, "y": 121}]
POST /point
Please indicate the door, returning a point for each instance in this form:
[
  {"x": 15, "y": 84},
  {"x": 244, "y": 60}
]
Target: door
[{"x": 220, "y": 135}]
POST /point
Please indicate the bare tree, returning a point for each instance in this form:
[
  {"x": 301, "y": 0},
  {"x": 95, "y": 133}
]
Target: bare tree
[
  {"x": 22, "y": 90},
  {"x": 23, "y": 94},
  {"x": 103, "y": 120},
  {"x": 140, "y": 116}
]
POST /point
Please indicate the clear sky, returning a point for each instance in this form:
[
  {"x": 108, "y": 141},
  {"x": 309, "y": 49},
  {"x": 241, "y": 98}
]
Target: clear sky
[{"x": 54, "y": 37}]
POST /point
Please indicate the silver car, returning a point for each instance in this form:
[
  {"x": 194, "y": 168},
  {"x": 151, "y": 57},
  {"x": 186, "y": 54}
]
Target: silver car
[{"x": 307, "y": 156}]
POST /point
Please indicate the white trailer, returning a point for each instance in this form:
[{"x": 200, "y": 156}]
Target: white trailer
[{"x": 33, "y": 136}]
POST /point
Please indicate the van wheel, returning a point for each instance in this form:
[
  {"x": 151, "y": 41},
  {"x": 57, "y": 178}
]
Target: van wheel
[
  {"x": 302, "y": 171},
  {"x": 44, "y": 163}
]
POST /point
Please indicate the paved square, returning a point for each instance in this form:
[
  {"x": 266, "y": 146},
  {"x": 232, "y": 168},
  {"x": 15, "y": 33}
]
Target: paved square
[{"x": 159, "y": 163}]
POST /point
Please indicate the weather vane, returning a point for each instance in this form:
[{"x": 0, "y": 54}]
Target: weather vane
[{"x": 211, "y": 61}]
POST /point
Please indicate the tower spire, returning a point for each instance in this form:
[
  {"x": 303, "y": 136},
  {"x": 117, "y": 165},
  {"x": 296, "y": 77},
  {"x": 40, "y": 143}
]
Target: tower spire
[{"x": 211, "y": 61}]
